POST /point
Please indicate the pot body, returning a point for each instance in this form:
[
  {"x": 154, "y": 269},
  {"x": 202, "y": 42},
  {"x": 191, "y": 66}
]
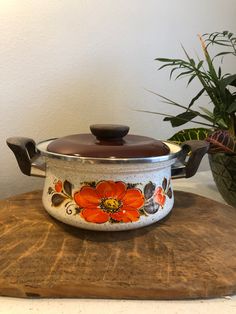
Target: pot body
[
  {"x": 223, "y": 169},
  {"x": 107, "y": 194},
  {"x": 106, "y": 197}
]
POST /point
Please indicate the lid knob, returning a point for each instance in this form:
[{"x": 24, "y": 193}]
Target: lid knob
[{"x": 109, "y": 131}]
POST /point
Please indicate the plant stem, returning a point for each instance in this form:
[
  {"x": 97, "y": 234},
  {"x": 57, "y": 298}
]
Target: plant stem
[
  {"x": 168, "y": 115},
  {"x": 173, "y": 103},
  {"x": 232, "y": 126},
  {"x": 233, "y": 46}
]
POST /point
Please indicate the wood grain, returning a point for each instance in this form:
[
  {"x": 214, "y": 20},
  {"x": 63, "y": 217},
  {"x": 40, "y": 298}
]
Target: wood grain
[{"x": 190, "y": 254}]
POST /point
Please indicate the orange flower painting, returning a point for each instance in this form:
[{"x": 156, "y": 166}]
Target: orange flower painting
[
  {"x": 109, "y": 201},
  {"x": 160, "y": 196},
  {"x": 58, "y": 186},
  {"x": 162, "y": 192}
]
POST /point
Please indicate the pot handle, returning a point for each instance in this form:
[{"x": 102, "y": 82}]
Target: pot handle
[
  {"x": 27, "y": 156},
  {"x": 190, "y": 159}
]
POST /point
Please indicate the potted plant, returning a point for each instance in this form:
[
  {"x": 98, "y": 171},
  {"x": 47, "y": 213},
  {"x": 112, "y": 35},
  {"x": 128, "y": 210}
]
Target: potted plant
[{"x": 218, "y": 123}]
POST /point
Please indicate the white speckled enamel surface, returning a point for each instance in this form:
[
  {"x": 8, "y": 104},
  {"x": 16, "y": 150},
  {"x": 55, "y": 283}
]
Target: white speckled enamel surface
[{"x": 78, "y": 173}]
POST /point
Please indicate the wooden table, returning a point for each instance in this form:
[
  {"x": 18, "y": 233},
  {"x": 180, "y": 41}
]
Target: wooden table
[{"x": 204, "y": 185}]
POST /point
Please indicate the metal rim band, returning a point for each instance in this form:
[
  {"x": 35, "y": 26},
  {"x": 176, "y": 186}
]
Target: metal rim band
[{"x": 42, "y": 148}]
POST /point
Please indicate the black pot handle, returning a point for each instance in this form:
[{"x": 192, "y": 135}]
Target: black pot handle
[
  {"x": 25, "y": 151},
  {"x": 190, "y": 159}
]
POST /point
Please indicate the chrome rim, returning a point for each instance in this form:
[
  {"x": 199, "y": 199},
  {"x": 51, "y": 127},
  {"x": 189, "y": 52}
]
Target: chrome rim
[{"x": 175, "y": 152}]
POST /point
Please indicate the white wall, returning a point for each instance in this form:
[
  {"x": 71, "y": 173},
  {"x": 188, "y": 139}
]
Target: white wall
[{"x": 65, "y": 64}]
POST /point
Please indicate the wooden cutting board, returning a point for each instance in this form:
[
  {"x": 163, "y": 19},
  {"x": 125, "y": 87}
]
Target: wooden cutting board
[{"x": 190, "y": 254}]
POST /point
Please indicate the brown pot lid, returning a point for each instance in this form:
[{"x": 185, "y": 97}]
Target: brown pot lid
[{"x": 108, "y": 141}]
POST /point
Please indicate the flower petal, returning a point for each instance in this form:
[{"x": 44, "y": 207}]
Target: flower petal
[
  {"x": 120, "y": 189},
  {"x": 113, "y": 189},
  {"x": 95, "y": 215},
  {"x": 160, "y": 197},
  {"x": 87, "y": 197},
  {"x": 133, "y": 198},
  {"x": 126, "y": 215},
  {"x": 58, "y": 186}
]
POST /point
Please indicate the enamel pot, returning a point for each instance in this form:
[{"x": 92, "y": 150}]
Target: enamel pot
[{"x": 108, "y": 180}]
